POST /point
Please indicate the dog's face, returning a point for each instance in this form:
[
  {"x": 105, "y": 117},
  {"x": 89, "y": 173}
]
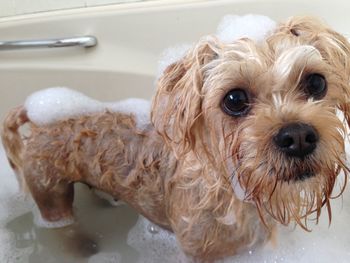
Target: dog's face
[{"x": 265, "y": 113}]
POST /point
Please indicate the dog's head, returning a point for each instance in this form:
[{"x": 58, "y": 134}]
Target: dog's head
[{"x": 265, "y": 113}]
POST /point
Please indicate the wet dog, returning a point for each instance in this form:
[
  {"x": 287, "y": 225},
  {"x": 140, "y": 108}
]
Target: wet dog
[{"x": 243, "y": 135}]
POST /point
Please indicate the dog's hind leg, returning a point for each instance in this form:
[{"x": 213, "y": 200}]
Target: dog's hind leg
[
  {"x": 54, "y": 199},
  {"x": 52, "y": 193},
  {"x": 54, "y": 202}
]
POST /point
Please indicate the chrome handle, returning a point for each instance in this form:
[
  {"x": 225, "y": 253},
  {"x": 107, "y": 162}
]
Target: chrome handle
[{"x": 84, "y": 41}]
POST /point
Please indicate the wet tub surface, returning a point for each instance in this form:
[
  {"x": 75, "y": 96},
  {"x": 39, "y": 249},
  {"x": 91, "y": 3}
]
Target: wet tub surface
[{"x": 120, "y": 235}]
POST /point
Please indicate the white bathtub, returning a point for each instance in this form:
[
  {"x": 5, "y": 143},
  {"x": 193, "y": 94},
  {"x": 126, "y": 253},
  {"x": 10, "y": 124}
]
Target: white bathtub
[
  {"x": 124, "y": 64},
  {"x": 131, "y": 38}
]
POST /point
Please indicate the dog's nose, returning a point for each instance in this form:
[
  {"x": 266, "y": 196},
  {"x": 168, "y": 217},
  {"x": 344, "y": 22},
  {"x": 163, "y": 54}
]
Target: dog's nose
[{"x": 297, "y": 139}]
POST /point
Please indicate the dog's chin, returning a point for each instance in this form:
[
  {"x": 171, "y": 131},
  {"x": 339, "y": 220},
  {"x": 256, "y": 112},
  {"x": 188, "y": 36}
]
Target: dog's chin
[
  {"x": 299, "y": 176},
  {"x": 304, "y": 176}
]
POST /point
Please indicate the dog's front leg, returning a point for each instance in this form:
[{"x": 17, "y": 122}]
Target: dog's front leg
[{"x": 202, "y": 237}]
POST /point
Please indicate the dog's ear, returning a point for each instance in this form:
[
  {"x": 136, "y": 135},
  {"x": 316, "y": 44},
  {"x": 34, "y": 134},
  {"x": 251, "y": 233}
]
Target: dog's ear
[
  {"x": 177, "y": 106},
  {"x": 334, "y": 48}
]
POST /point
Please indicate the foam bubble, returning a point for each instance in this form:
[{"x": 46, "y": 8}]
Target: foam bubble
[
  {"x": 140, "y": 108},
  {"x": 324, "y": 244},
  {"x": 7, "y": 177},
  {"x": 106, "y": 258},
  {"x": 154, "y": 244},
  {"x": 171, "y": 55},
  {"x": 255, "y": 27},
  {"x": 39, "y": 221},
  {"x": 8, "y": 251},
  {"x": 59, "y": 103},
  {"x": 231, "y": 28},
  {"x": 12, "y": 204}
]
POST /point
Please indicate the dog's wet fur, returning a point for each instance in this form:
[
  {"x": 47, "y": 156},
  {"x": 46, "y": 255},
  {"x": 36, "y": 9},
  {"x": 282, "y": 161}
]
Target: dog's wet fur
[{"x": 219, "y": 164}]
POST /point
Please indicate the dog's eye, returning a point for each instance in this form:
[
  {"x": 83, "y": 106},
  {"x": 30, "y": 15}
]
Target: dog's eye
[
  {"x": 315, "y": 85},
  {"x": 235, "y": 102}
]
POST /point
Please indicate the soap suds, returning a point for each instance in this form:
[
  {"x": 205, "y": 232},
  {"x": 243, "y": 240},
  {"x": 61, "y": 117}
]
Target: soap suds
[
  {"x": 255, "y": 27},
  {"x": 230, "y": 29},
  {"x": 138, "y": 107},
  {"x": 59, "y": 103},
  {"x": 323, "y": 245},
  {"x": 154, "y": 246},
  {"x": 12, "y": 204},
  {"x": 171, "y": 55},
  {"x": 39, "y": 221}
]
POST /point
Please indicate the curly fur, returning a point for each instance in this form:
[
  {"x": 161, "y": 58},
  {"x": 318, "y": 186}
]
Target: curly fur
[{"x": 185, "y": 169}]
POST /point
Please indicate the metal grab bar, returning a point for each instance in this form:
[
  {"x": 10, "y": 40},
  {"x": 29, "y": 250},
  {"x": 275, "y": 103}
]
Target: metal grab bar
[{"x": 84, "y": 41}]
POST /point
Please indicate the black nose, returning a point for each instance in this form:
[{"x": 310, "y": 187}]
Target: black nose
[{"x": 297, "y": 139}]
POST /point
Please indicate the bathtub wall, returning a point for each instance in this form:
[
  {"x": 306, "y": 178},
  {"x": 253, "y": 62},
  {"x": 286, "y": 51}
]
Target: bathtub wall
[
  {"x": 20, "y": 7},
  {"x": 131, "y": 38}
]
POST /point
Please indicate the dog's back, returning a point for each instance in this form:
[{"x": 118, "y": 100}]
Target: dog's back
[{"x": 105, "y": 150}]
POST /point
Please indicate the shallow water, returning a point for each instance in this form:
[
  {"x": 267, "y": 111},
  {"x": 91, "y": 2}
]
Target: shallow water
[{"x": 120, "y": 235}]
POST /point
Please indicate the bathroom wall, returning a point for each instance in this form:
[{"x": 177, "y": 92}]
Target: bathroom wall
[{"x": 20, "y": 7}]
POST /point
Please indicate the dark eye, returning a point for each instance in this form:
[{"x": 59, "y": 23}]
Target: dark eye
[
  {"x": 316, "y": 86},
  {"x": 235, "y": 102}
]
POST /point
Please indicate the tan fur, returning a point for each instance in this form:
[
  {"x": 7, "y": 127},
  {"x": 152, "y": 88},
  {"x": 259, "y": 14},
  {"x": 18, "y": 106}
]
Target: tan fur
[
  {"x": 185, "y": 169},
  {"x": 14, "y": 143}
]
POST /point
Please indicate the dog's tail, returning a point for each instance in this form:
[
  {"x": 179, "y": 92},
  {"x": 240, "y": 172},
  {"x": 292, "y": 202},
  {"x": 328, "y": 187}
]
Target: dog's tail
[{"x": 13, "y": 141}]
